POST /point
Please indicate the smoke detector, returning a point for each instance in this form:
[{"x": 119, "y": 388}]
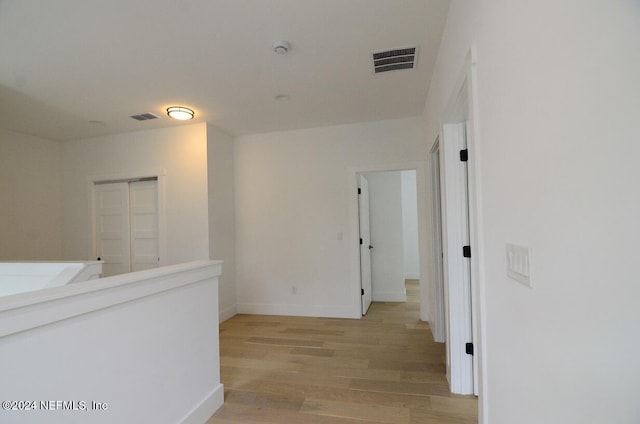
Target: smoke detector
[{"x": 281, "y": 47}]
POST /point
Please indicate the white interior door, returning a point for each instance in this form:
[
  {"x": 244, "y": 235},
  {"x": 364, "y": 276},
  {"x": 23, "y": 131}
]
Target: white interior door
[
  {"x": 112, "y": 227},
  {"x": 365, "y": 244},
  {"x": 143, "y": 203}
]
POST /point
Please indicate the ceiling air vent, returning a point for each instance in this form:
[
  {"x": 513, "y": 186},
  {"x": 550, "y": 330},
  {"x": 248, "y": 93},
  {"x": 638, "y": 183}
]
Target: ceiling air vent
[
  {"x": 144, "y": 116},
  {"x": 392, "y": 60}
]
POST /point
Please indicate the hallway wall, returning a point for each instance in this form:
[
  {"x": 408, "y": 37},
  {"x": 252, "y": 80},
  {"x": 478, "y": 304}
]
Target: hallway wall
[
  {"x": 222, "y": 229},
  {"x": 410, "y": 225},
  {"x": 293, "y": 212},
  {"x": 558, "y": 100}
]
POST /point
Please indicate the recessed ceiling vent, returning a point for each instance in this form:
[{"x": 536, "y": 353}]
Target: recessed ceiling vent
[
  {"x": 392, "y": 60},
  {"x": 144, "y": 116}
]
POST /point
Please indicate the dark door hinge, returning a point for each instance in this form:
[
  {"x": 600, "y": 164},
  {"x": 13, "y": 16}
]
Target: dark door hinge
[
  {"x": 359, "y": 190},
  {"x": 360, "y": 240},
  {"x": 466, "y": 251},
  {"x": 464, "y": 155},
  {"x": 468, "y": 348},
  {"x": 362, "y": 292}
]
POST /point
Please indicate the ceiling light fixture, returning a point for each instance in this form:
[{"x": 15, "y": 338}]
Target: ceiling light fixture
[{"x": 180, "y": 113}]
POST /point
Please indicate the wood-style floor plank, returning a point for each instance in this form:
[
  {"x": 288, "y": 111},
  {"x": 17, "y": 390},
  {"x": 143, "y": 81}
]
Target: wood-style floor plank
[
  {"x": 362, "y": 412},
  {"x": 384, "y": 368}
]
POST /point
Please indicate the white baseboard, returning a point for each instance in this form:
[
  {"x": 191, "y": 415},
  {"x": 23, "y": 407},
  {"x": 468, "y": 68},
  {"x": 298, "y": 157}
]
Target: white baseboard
[
  {"x": 206, "y": 408},
  {"x": 411, "y": 276},
  {"x": 432, "y": 327},
  {"x": 325, "y": 311},
  {"x": 389, "y": 296},
  {"x": 228, "y": 312},
  {"x": 424, "y": 316}
]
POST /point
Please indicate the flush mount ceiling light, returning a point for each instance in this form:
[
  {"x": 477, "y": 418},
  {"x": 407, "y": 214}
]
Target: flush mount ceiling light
[{"x": 180, "y": 113}]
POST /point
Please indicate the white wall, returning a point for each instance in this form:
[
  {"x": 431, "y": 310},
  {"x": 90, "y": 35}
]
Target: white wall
[
  {"x": 410, "y": 225},
  {"x": 385, "y": 217},
  {"x": 181, "y": 151},
  {"x": 30, "y": 197},
  {"x": 143, "y": 338},
  {"x": 558, "y": 98},
  {"x": 222, "y": 244},
  {"x": 293, "y": 205}
]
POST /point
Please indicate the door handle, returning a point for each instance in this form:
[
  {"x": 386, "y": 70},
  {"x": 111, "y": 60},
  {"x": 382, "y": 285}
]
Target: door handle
[{"x": 370, "y": 247}]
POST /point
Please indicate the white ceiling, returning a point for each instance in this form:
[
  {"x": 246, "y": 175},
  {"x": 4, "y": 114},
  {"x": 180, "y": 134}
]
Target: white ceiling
[{"x": 66, "y": 64}]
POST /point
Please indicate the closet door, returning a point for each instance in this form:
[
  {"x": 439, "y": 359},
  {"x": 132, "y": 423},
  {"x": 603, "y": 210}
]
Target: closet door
[
  {"x": 112, "y": 227},
  {"x": 143, "y": 201}
]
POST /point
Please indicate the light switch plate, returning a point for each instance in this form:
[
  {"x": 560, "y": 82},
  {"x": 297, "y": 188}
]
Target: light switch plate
[{"x": 519, "y": 263}]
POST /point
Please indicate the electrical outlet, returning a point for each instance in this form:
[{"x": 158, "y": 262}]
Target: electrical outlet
[{"x": 519, "y": 263}]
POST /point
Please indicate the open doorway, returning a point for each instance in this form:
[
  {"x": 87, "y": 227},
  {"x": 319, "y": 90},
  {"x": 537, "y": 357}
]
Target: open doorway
[{"x": 389, "y": 236}]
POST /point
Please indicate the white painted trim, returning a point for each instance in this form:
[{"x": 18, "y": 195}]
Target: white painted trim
[
  {"x": 439, "y": 313},
  {"x": 411, "y": 276},
  {"x": 477, "y": 239},
  {"x": 468, "y": 78},
  {"x": 206, "y": 408},
  {"x": 161, "y": 175},
  {"x": 325, "y": 311},
  {"x": 390, "y": 296},
  {"x": 456, "y": 267},
  {"x": 228, "y": 312},
  {"x": 24, "y": 311},
  {"x": 354, "y": 246}
]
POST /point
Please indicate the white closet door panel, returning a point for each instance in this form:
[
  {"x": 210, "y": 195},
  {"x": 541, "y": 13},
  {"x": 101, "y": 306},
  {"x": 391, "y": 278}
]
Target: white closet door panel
[
  {"x": 112, "y": 227},
  {"x": 144, "y": 224}
]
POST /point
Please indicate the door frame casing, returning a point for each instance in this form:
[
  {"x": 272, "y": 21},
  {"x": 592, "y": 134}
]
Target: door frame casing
[
  {"x": 457, "y": 276},
  {"x": 437, "y": 273},
  {"x": 160, "y": 175},
  {"x": 463, "y": 104},
  {"x": 354, "y": 238}
]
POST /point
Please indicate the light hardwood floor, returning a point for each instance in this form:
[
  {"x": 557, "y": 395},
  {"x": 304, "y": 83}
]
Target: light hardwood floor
[{"x": 384, "y": 368}]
